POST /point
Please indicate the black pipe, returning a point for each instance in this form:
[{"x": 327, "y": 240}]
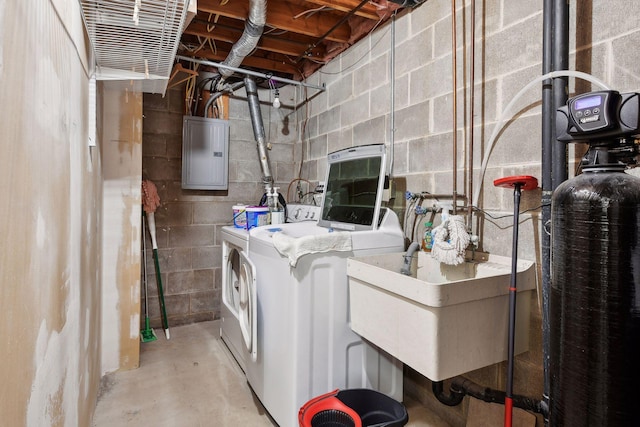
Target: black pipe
[
  {"x": 548, "y": 139},
  {"x": 560, "y": 58},
  {"x": 461, "y": 387},
  {"x": 454, "y": 398}
]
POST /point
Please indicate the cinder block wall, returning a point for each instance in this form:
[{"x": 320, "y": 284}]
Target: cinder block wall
[
  {"x": 355, "y": 110},
  {"x": 188, "y": 222}
]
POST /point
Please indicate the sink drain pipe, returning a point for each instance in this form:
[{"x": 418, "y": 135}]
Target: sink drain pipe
[{"x": 461, "y": 387}]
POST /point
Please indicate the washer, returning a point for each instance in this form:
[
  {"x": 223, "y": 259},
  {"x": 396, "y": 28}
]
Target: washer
[
  {"x": 238, "y": 274},
  {"x": 305, "y": 345}
]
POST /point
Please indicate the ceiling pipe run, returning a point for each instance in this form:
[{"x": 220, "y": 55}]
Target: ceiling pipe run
[
  {"x": 454, "y": 67},
  {"x": 251, "y": 73}
]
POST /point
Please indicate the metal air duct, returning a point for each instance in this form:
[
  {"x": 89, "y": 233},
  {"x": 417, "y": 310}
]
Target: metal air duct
[{"x": 248, "y": 41}]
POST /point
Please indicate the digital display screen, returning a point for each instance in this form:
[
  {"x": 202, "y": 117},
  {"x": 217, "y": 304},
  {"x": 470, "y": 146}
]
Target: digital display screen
[{"x": 588, "y": 102}]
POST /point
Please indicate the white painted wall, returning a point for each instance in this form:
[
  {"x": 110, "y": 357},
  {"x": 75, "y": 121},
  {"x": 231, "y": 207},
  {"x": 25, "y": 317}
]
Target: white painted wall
[{"x": 50, "y": 217}]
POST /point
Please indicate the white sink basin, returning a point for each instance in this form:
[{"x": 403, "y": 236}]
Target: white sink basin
[{"x": 443, "y": 320}]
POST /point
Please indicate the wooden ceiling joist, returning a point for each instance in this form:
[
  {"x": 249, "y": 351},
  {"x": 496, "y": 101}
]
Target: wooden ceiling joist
[
  {"x": 286, "y": 16},
  {"x": 282, "y": 45},
  {"x": 368, "y": 11}
]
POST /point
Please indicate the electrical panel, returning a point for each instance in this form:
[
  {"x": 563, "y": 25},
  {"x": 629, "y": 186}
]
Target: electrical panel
[{"x": 205, "y": 153}]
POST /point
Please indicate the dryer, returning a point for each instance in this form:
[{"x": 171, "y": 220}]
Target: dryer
[
  {"x": 239, "y": 297},
  {"x": 238, "y": 277}
]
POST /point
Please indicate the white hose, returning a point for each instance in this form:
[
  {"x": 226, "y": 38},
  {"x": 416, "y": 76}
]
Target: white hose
[{"x": 503, "y": 116}]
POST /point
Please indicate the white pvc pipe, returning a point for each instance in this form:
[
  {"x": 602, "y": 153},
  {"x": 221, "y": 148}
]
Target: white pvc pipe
[{"x": 503, "y": 116}]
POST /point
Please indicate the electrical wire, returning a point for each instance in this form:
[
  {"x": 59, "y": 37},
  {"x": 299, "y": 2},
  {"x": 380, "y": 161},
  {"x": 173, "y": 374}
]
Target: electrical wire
[
  {"x": 310, "y": 12},
  {"x": 190, "y": 91},
  {"x": 475, "y": 208}
]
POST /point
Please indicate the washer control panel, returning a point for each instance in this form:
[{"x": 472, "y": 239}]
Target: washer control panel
[{"x": 301, "y": 213}]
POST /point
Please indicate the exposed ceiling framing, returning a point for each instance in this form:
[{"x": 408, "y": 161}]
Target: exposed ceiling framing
[{"x": 299, "y": 36}]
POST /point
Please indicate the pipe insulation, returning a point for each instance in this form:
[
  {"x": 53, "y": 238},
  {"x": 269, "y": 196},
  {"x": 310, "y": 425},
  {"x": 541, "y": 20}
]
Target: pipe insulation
[
  {"x": 248, "y": 41},
  {"x": 258, "y": 128}
]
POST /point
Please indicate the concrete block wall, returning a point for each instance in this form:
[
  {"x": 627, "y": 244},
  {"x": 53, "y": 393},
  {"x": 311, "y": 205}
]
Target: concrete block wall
[
  {"x": 188, "y": 222},
  {"x": 355, "y": 110}
]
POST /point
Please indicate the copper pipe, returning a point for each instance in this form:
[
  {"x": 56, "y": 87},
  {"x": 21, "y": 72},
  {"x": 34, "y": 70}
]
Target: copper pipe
[
  {"x": 455, "y": 104},
  {"x": 471, "y": 110}
]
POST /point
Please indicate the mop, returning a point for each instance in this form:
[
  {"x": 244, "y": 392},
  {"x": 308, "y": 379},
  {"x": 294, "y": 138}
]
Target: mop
[
  {"x": 147, "y": 334},
  {"x": 150, "y": 202},
  {"x": 450, "y": 240}
]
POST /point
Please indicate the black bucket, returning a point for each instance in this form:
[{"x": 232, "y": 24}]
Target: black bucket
[{"x": 353, "y": 408}]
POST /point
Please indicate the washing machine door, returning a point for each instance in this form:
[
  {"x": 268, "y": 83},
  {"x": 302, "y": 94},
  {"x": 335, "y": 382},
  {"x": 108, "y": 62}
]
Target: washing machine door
[
  {"x": 248, "y": 306},
  {"x": 231, "y": 277}
]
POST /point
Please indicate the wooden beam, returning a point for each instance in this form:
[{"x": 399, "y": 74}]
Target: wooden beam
[
  {"x": 282, "y": 44},
  {"x": 368, "y": 11},
  {"x": 281, "y": 14}
]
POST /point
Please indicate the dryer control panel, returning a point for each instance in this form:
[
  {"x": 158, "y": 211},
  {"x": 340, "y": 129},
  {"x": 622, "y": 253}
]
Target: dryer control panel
[{"x": 301, "y": 213}]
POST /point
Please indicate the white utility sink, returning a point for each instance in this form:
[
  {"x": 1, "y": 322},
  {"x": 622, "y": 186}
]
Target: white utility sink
[{"x": 442, "y": 320}]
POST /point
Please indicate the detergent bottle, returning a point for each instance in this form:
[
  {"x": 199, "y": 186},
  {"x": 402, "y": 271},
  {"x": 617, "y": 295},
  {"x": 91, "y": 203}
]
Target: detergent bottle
[{"x": 427, "y": 240}]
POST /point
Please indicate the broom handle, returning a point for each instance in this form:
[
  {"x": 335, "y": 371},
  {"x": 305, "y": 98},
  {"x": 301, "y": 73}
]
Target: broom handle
[
  {"x": 151, "y": 222},
  {"x": 144, "y": 264}
]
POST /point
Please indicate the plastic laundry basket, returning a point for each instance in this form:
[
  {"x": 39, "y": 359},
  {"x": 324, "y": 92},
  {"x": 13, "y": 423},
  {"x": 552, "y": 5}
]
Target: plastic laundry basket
[{"x": 353, "y": 408}]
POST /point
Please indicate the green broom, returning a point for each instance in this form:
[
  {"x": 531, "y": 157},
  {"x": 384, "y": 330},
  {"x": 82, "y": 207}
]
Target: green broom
[
  {"x": 151, "y": 201},
  {"x": 147, "y": 334},
  {"x": 152, "y": 230}
]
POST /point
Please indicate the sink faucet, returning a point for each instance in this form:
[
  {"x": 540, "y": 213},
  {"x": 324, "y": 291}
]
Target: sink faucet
[{"x": 406, "y": 265}]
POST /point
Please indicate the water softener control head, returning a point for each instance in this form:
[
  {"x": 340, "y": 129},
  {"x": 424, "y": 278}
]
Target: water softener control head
[{"x": 598, "y": 116}]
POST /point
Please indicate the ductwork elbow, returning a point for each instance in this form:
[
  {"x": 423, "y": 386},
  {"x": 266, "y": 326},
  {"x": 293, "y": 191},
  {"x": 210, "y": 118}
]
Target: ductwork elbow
[{"x": 253, "y": 28}]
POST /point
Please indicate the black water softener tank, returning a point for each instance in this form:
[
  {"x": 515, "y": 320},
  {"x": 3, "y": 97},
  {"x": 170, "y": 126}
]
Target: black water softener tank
[{"x": 594, "y": 301}]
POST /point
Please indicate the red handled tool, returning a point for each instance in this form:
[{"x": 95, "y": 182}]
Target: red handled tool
[{"x": 519, "y": 184}]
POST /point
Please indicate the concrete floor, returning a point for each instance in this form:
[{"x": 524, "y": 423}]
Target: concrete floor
[{"x": 192, "y": 380}]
